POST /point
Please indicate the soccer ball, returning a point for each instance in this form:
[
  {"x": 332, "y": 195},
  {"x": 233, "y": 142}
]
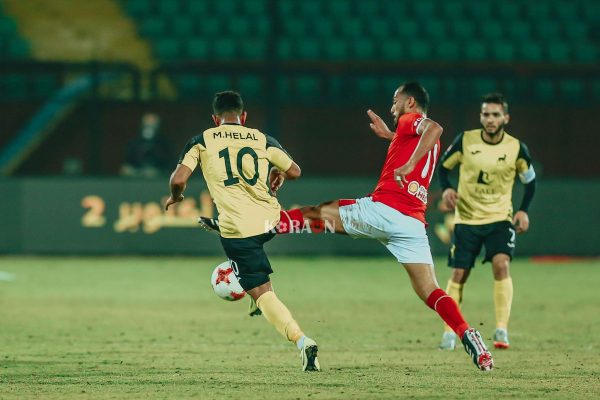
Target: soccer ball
[{"x": 225, "y": 283}]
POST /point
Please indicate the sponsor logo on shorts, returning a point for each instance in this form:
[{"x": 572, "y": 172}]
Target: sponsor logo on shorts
[{"x": 417, "y": 190}]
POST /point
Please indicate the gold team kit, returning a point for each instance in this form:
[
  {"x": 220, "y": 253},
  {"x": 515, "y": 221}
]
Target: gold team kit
[
  {"x": 235, "y": 161},
  {"x": 487, "y": 175}
]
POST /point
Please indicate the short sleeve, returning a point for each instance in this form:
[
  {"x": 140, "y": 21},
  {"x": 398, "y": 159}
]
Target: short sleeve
[
  {"x": 277, "y": 154},
  {"x": 190, "y": 156},
  {"x": 453, "y": 154}
]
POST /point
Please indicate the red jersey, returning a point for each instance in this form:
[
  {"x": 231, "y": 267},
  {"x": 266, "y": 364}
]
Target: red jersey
[{"x": 411, "y": 200}]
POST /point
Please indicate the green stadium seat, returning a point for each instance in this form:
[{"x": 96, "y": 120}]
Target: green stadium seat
[
  {"x": 591, "y": 11},
  {"x": 44, "y": 85},
  {"x": 168, "y": 8},
  {"x": 585, "y": 53},
  {"x": 152, "y": 27},
  {"x": 481, "y": 86},
  {"x": 363, "y": 49},
  {"x": 253, "y": 49},
  {"x": 239, "y": 27},
  {"x": 168, "y": 49},
  {"x": 509, "y": 11},
  {"x": 547, "y": 30},
  {"x": 367, "y": 86},
  {"x": 380, "y": 30},
  {"x": 435, "y": 30},
  {"x": 352, "y": 28},
  {"x": 418, "y": 50},
  {"x": 287, "y": 8},
  {"x": 447, "y": 50},
  {"x": 423, "y": 8},
  {"x": 566, "y": 11},
  {"x": 197, "y": 48},
  {"x": 558, "y": 52},
  {"x": 296, "y": 28},
  {"x": 308, "y": 49},
  {"x": 217, "y": 83},
  {"x": 367, "y": 9},
  {"x": 338, "y": 8},
  {"x": 18, "y": 48},
  {"x": 575, "y": 32},
  {"x": 187, "y": 85},
  {"x": 225, "y": 8},
  {"x": 544, "y": 90},
  {"x": 198, "y": 9},
  {"x": 538, "y": 10},
  {"x": 449, "y": 88},
  {"x": 138, "y": 8},
  {"x": 307, "y": 87},
  {"x": 453, "y": 10},
  {"x": 8, "y": 27},
  {"x": 254, "y": 8},
  {"x": 491, "y": 30},
  {"x": 463, "y": 29},
  {"x": 14, "y": 86},
  {"x": 518, "y": 31},
  {"x": 261, "y": 25},
  {"x": 323, "y": 29},
  {"x": 182, "y": 27},
  {"x": 336, "y": 49},
  {"x": 475, "y": 51},
  {"x": 530, "y": 51},
  {"x": 210, "y": 27},
  {"x": 310, "y": 9},
  {"x": 224, "y": 49},
  {"x": 572, "y": 89},
  {"x": 503, "y": 51},
  {"x": 250, "y": 86},
  {"x": 406, "y": 29},
  {"x": 392, "y": 50},
  {"x": 284, "y": 49}
]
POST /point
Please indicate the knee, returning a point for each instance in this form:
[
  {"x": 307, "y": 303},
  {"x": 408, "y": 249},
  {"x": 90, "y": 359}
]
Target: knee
[
  {"x": 460, "y": 275},
  {"x": 501, "y": 268}
]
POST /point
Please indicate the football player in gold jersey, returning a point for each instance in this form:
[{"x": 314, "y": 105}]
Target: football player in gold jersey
[
  {"x": 235, "y": 162},
  {"x": 490, "y": 159}
]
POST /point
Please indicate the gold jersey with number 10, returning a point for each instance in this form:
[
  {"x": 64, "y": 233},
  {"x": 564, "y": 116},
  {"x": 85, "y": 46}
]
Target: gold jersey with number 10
[{"x": 235, "y": 161}]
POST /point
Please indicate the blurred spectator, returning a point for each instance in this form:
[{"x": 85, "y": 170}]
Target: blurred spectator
[{"x": 149, "y": 154}]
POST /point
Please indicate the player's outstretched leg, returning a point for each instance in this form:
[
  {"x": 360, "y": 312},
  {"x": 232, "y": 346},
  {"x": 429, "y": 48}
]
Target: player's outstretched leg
[
  {"x": 281, "y": 318},
  {"x": 423, "y": 280}
]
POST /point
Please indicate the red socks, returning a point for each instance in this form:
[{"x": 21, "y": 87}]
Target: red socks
[
  {"x": 290, "y": 221},
  {"x": 447, "y": 308}
]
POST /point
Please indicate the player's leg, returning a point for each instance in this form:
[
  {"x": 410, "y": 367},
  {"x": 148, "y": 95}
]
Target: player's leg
[
  {"x": 500, "y": 245},
  {"x": 466, "y": 245},
  {"x": 325, "y": 216},
  {"x": 252, "y": 267}
]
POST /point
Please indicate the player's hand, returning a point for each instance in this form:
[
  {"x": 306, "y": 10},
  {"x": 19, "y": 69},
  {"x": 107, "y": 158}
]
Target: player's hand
[
  {"x": 276, "y": 180},
  {"x": 450, "y": 198},
  {"x": 171, "y": 201},
  {"x": 521, "y": 221},
  {"x": 400, "y": 174},
  {"x": 379, "y": 127}
]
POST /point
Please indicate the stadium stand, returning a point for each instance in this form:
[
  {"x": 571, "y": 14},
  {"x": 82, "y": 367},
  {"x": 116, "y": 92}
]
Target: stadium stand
[{"x": 553, "y": 32}]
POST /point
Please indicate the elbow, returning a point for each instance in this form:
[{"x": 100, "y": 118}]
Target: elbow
[
  {"x": 294, "y": 172},
  {"x": 177, "y": 182}
]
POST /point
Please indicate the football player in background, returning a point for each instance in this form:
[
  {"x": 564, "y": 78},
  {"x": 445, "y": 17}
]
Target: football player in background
[
  {"x": 490, "y": 160},
  {"x": 235, "y": 163}
]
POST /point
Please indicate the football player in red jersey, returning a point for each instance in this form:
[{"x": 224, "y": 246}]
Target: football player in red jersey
[{"x": 394, "y": 213}]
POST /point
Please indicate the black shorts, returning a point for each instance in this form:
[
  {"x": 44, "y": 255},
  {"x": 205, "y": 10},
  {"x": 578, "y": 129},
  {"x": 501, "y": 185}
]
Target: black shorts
[
  {"x": 497, "y": 237},
  {"x": 251, "y": 265}
]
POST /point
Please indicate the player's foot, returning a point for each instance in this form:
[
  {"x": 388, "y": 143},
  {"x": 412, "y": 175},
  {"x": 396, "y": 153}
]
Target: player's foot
[
  {"x": 209, "y": 224},
  {"x": 501, "y": 339},
  {"x": 475, "y": 348},
  {"x": 448, "y": 341},
  {"x": 308, "y": 354},
  {"x": 253, "y": 310}
]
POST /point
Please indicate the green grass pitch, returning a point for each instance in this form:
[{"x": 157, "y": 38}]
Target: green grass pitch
[{"x": 141, "y": 328}]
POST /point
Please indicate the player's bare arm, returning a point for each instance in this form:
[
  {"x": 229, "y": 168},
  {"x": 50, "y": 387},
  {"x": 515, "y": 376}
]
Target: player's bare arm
[
  {"x": 379, "y": 127},
  {"x": 430, "y": 132},
  {"x": 177, "y": 183}
]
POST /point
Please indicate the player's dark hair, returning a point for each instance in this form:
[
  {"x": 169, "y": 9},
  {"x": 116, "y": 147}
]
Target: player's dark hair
[
  {"x": 418, "y": 92},
  {"x": 227, "y": 101},
  {"x": 496, "y": 98}
]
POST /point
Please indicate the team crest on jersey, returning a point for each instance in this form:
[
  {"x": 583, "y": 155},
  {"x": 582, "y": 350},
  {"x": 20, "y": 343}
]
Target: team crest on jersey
[{"x": 417, "y": 190}]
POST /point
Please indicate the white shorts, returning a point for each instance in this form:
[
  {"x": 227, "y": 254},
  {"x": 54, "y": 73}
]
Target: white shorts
[{"x": 405, "y": 237}]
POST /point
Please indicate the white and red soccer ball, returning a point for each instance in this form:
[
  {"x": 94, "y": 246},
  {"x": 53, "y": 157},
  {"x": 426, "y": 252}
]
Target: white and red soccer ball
[{"x": 225, "y": 283}]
